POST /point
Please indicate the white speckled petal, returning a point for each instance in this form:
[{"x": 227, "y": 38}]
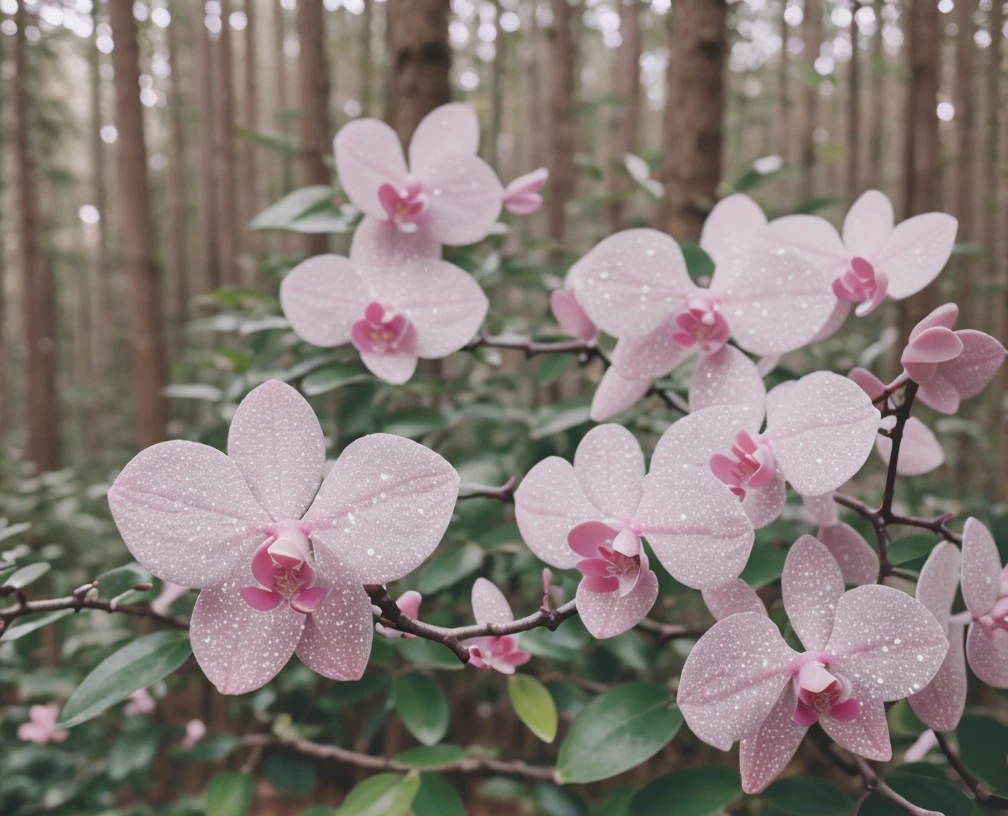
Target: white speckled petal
[
  {"x": 733, "y": 677},
  {"x": 763, "y": 505},
  {"x": 465, "y": 198},
  {"x": 868, "y": 224},
  {"x": 322, "y": 297},
  {"x": 277, "y": 443},
  {"x": 866, "y": 735},
  {"x": 384, "y": 506},
  {"x": 811, "y": 235},
  {"x": 987, "y": 651},
  {"x": 186, "y": 513},
  {"x": 337, "y": 636},
  {"x": 887, "y": 641},
  {"x": 822, "y": 433},
  {"x": 728, "y": 377},
  {"x": 858, "y": 562},
  {"x": 615, "y": 394},
  {"x": 606, "y": 614},
  {"x": 916, "y": 252},
  {"x": 609, "y": 466},
  {"x": 489, "y": 604},
  {"x": 649, "y": 356},
  {"x": 393, "y": 367},
  {"x": 939, "y": 580},
  {"x": 942, "y": 702},
  {"x": 695, "y": 525},
  {"x": 240, "y": 648},
  {"x": 767, "y": 752},
  {"x": 692, "y": 440},
  {"x": 733, "y": 220},
  {"x": 981, "y": 357},
  {"x": 632, "y": 281},
  {"x": 731, "y": 598},
  {"x": 940, "y": 394},
  {"x": 774, "y": 301},
  {"x": 920, "y": 452},
  {"x": 821, "y": 509},
  {"x": 981, "y": 568},
  {"x": 368, "y": 154},
  {"x": 452, "y": 128},
  {"x": 811, "y": 586},
  {"x": 548, "y": 503},
  {"x": 379, "y": 248}
]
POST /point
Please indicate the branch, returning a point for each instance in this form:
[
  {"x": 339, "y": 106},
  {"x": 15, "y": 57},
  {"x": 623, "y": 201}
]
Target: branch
[
  {"x": 504, "y": 493},
  {"x": 473, "y": 765},
  {"x": 902, "y": 415},
  {"x": 874, "y": 784},
  {"x": 532, "y": 348},
  {"x": 983, "y": 794},
  {"x": 671, "y": 631}
]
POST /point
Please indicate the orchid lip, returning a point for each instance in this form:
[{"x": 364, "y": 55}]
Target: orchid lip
[{"x": 283, "y": 566}]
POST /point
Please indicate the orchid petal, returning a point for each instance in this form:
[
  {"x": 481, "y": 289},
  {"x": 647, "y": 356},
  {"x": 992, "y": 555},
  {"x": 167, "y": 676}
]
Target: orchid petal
[
  {"x": 262, "y": 600},
  {"x": 186, "y": 513},
  {"x": 384, "y": 506},
  {"x": 822, "y": 510},
  {"x": 586, "y": 538},
  {"x": 732, "y": 598},
  {"x": 940, "y": 394},
  {"x": 322, "y": 297},
  {"x": 609, "y": 466},
  {"x": 379, "y": 249},
  {"x": 571, "y": 316},
  {"x": 548, "y": 503},
  {"x": 812, "y": 236},
  {"x": 981, "y": 568},
  {"x": 767, "y": 752},
  {"x": 811, "y": 586},
  {"x": 649, "y": 356},
  {"x": 934, "y": 345},
  {"x": 616, "y": 393},
  {"x": 868, "y": 224},
  {"x": 240, "y": 648},
  {"x": 987, "y": 651},
  {"x": 916, "y": 252},
  {"x": 867, "y": 382},
  {"x": 763, "y": 505},
  {"x": 841, "y": 311},
  {"x": 489, "y": 604},
  {"x": 939, "y": 580},
  {"x": 630, "y": 282},
  {"x": 803, "y": 431},
  {"x": 941, "y": 703},
  {"x": 692, "y": 440},
  {"x": 920, "y": 451},
  {"x": 888, "y": 638},
  {"x": 452, "y": 128},
  {"x": 368, "y": 155},
  {"x": 409, "y": 603},
  {"x": 859, "y": 563},
  {"x": 981, "y": 357},
  {"x": 465, "y": 198},
  {"x": 394, "y": 367},
  {"x": 729, "y": 225},
  {"x": 867, "y": 734},
  {"x": 607, "y": 614},
  {"x": 944, "y": 316},
  {"x": 733, "y": 677},
  {"x": 728, "y": 377},
  {"x": 276, "y": 441}
]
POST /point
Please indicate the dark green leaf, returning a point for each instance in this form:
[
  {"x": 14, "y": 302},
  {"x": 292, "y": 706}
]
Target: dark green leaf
[
  {"x": 534, "y": 706},
  {"x": 699, "y": 791},
  {"x": 29, "y": 623},
  {"x": 436, "y": 797},
  {"x": 290, "y": 772},
  {"x": 214, "y": 746},
  {"x": 449, "y": 568},
  {"x": 132, "y": 751},
  {"x": 552, "y": 366},
  {"x": 229, "y": 794},
  {"x": 415, "y": 423},
  {"x": 428, "y": 654},
  {"x": 561, "y": 417},
  {"x": 26, "y": 575},
  {"x": 766, "y": 564},
  {"x": 807, "y": 796},
  {"x": 698, "y": 262},
  {"x": 422, "y": 707},
  {"x": 983, "y": 747},
  {"x": 381, "y": 795},
  {"x": 910, "y": 548},
  {"x": 330, "y": 377},
  {"x": 431, "y": 756}
]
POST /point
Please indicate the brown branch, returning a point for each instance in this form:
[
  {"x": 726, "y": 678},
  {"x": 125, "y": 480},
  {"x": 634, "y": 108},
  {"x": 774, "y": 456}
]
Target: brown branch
[
  {"x": 671, "y": 631},
  {"x": 984, "y": 795},
  {"x": 532, "y": 348},
  {"x": 77, "y": 601},
  {"x": 874, "y": 784},
  {"x": 504, "y": 493},
  {"x": 472, "y": 765}
]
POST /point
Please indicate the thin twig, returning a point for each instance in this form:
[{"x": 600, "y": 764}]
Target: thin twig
[
  {"x": 77, "y": 602},
  {"x": 874, "y": 784},
  {"x": 532, "y": 348},
  {"x": 503, "y": 493},
  {"x": 984, "y": 795}
]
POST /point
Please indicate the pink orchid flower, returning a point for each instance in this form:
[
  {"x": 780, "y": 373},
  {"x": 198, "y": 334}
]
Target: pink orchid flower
[
  {"x": 873, "y": 259},
  {"x": 521, "y": 196},
  {"x": 920, "y": 450},
  {"x": 634, "y": 285},
  {"x": 593, "y": 515},
  {"x": 170, "y": 593},
  {"x": 140, "y": 702},
  {"x": 281, "y": 556},
  {"x": 858, "y": 560},
  {"x": 865, "y": 646},
  {"x": 569, "y": 313},
  {"x": 195, "y": 730},
  {"x": 500, "y": 653},
  {"x": 40, "y": 727},
  {"x": 949, "y": 366},
  {"x": 447, "y": 193},
  {"x": 732, "y": 598},
  {"x": 393, "y": 299},
  {"x": 409, "y": 605}
]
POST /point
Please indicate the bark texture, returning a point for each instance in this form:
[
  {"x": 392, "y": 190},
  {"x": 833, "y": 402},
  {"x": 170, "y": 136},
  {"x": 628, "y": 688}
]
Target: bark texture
[
  {"x": 101, "y": 288},
  {"x": 854, "y": 106},
  {"x": 250, "y": 121},
  {"x": 965, "y": 119},
  {"x": 560, "y": 125},
  {"x": 150, "y": 413},
  {"x": 208, "y": 168},
  {"x": 224, "y": 149},
  {"x": 876, "y": 140},
  {"x": 624, "y": 136},
  {"x": 812, "y": 34},
  {"x": 177, "y": 178},
  {"x": 315, "y": 132}
]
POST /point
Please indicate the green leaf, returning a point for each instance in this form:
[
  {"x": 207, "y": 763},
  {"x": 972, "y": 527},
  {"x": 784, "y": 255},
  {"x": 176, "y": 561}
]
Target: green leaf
[
  {"x": 132, "y": 751},
  {"x": 214, "y": 746},
  {"x": 26, "y": 575},
  {"x": 290, "y": 772},
  {"x": 141, "y": 663},
  {"x": 436, "y": 797},
  {"x": 924, "y": 785},
  {"x": 765, "y": 565},
  {"x": 698, "y": 262},
  {"x": 551, "y": 366},
  {"x": 807, "y": 796},
  {"x": 698, "y": 791},
  {"x": 330, "y": 377},
  {"x": 13, "y": 530},
  {"x": 449, "y": 568},
  {"x": 422, "y": 707},
  {"x": 428, "y": 654},
  {"x": 534, "y": 706},
  {"x": 810, "y": 206},
  {"x": 910, "y": 548},
  {"x": 560, "y": 417},
  {"x": 381, "y": 795},
  {"x": 29, "y": 623},
  {"x": 431, "y": 756},
  {"x": 281, "y": 214},
  {"x": 641, "y": 173},
  {"x": 415, "y": 423},
  {"x": 983, "y": 747},
  {"x": 229, "y": 794},
  {"x": 618, "y": 730}
]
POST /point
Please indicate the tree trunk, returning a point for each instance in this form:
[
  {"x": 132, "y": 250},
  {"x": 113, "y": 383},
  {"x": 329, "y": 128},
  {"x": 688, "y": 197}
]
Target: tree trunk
[
  {"x": 498, "y": 72},
  {"x": 625, "y": 123},
  {"x": 227, "y": 193},
  {"x": 419, "y": 60},
  {"x": 694, "y": 116},
  {"x": 560, "y": 146},
  {"x": 37, "y": 284},
  {"x": 966, "y": 150},
  {"x": 149, "y": 407},
  {"x": 989, "y": 181},
  {"x": 854, "y": 107},
  {"x": 208, "y": 168},
  {"x": 314, "y": 81},
  {"x": 366, "y": 57},
  {"x": 876, "y": 139},
  {"x": 782, "y": 125},
  {"x": 812, "y": 31},
  {"x": 253, "y": 195},
  {"x": 100, "y": 290},
  {"x": 177, "y": 190}
]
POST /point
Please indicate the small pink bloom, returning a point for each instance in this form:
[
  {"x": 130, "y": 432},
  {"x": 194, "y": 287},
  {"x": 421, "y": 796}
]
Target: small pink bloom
[
  {"x": 570, "y": 315},
  {"x": 405, "y": 206},
  {"x": 140, "y": 702},
  {"x": 492, "y": 652},
  {"x": 281, "y": 557},
  {"x": 921, "y": 747},
  {"x": 170, "y": 593},
  {"x": 613, "y": 558},
  {"x": 521, "y": 196},
  {"x": 862, "y": 284},
  {"x": 381, "y": 333},
  {"x": 750, "y": 466},
  {"x": 985, "y": 591},
  {"x": 702, "y": 325},
  {"x": 552, "y": 596},
  {"x": 409, "y": 605},
  {"x": 40, "y": 727},
  {"x": 195, "y": 730}
]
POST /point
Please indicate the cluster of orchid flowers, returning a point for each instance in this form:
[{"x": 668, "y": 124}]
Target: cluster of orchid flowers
[{"x": 282, "y": 555}]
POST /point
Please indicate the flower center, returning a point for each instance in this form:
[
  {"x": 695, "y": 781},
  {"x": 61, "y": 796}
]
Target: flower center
[
  {"x": 997, "y": 618},
  {"x": 700, "y": 323},
  {"x": 284, "y": 567},
  {"x": 407, "y": 205},
  {"x": 381, "y": 332},
  {"x": 750, "y": 466},
  {"x": 612, "y": 556},
  {"x": 820, "y": 692},
  {"x": 861, "y": 283}
]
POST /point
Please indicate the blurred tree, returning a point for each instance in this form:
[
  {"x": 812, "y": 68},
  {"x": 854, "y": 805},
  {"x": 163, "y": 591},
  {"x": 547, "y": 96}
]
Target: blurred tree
[
  {"x": 281, "y": 96},
  {"x": 177, "y": 185},
  {"x": 876, "y": 138},
  {"x": 224, "y": 148},
  {"x": 419, "y": 60},
  {"x": 100, "y": 284},
  {"x": 150, "y": 412},
  {"x": 560, "y": 126},
  {"x": 316, "y": 136},
  {"x": 204, "y": 73},
  {"x": 965, "y": 140},
  {"x": 250, "y": 170},
  {"x": 624, "y": 136},
  {"x": 498, "y": 74},
  {"x": 366, "y": 57},
  {"x": 812, "y": 34},
  {"x": 853, "y": 186}
]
